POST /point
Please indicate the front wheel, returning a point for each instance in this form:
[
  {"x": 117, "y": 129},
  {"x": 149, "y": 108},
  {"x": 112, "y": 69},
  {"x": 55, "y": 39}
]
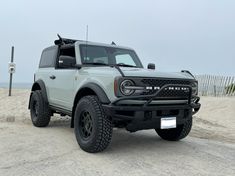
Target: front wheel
[
  {"x": 93, "y": 128},
  {"x": 176, "y": 134}
]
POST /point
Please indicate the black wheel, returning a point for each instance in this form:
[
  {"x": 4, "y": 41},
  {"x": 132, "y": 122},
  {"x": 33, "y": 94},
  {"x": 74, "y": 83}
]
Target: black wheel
[
  {"x": 39, "y": 110},
  {"x": 176, "y": 134},
  {"x": 93, "y": 129}
]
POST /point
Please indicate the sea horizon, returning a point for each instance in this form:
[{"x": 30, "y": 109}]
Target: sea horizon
[{"x": 16, "y": 85}]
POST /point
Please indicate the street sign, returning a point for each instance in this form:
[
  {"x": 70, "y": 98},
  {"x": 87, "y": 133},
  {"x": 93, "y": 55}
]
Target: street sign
[{"x": 11, "y": 67}]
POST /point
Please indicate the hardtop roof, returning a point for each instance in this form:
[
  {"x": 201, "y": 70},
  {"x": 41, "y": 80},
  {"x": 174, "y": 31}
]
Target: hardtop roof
[{"x": 69, "y": 42}]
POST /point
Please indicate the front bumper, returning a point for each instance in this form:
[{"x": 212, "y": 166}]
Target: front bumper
[{"x": 148, "y": 114}]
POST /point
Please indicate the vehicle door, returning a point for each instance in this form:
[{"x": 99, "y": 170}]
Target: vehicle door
[{"x": 46, "y": 68}]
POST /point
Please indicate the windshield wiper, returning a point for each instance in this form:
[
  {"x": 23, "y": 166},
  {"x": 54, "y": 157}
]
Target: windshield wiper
[
  {"x": 95, "y": 63},
  {"x": 124, "y": 65}
]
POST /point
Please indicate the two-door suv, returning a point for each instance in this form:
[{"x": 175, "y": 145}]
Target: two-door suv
[{"x": 104, "y": 86}]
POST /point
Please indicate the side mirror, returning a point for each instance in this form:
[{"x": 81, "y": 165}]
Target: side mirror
[
  {"x": 151, "y": 66},
  {"x": 67, "y": 61}
]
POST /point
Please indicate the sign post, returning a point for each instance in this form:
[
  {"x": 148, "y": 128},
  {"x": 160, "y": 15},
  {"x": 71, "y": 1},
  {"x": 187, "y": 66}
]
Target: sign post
[{"x": 11, "y": 69}]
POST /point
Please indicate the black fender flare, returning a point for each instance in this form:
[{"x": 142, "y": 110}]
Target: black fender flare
[
  {"x": 39, "y": 85},
  {"x": 98, "y": 91}
]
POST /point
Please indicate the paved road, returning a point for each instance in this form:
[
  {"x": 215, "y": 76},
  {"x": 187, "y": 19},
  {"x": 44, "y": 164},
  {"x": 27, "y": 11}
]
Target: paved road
[{"x": 26, "y": 150}]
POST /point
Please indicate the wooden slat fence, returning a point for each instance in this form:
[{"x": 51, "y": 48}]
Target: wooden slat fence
[{"x": 210, "y": 85}]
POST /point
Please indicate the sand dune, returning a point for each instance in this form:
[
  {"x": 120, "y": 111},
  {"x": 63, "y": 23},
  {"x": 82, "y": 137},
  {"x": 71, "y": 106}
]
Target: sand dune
[{"x": 216, "y": 119}]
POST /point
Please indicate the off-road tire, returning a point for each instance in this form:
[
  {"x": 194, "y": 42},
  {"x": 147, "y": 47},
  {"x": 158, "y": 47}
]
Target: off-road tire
[
  {"x": 42, "y": 116},
  {"x": 176, "y": 134},
  {"x": 101, "y": 133}
]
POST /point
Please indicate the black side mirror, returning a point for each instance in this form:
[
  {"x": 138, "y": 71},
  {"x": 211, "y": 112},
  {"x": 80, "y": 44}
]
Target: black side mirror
[
  {"x": 67, "y": 61},
  {"x": 151, "y": 66}
]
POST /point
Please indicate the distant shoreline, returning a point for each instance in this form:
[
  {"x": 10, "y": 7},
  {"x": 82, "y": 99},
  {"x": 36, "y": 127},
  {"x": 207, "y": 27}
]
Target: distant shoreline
[{"x": 16, "y": 85}]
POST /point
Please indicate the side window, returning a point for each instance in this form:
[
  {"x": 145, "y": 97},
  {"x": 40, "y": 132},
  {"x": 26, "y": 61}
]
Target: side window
[
  {"x": 66, "y": 51},
  {"x": 48, "y": 57},
  {"x": 124, "y": 59}
]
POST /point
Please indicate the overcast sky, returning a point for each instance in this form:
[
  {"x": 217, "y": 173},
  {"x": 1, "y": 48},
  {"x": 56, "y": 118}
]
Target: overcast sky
[{"x": 197, "y": 35}]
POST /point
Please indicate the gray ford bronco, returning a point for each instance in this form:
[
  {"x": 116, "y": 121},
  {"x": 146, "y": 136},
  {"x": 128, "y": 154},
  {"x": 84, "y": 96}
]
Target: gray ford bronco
[{"x": 103, "y": 86}]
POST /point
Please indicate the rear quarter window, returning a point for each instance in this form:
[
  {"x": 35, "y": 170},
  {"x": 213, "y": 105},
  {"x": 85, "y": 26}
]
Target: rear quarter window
[{"x": 48, "y": 57}]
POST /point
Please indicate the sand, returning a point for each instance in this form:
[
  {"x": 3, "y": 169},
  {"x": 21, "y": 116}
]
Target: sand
[{"x": 27, "y": 150}]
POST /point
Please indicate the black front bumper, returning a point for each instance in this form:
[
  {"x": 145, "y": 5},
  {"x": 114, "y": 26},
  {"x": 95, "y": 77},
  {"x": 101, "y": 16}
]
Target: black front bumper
[{"x": 148, "y": 116}]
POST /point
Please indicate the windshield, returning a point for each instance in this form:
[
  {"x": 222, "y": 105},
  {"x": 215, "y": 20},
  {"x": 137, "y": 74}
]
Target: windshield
[{"x": 101, "y": 55}]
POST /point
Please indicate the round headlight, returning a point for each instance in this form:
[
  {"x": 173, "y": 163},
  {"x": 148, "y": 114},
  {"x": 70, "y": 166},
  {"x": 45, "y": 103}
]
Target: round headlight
[{"x": 125, "y": 87}]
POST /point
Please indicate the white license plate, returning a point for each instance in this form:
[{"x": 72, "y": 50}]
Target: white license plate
[{"x": 168, "y": 122}]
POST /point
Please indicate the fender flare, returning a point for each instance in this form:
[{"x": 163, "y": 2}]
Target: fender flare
[
  {"x": 39, "y": 85},
  {"x": 98, "y": 91}
]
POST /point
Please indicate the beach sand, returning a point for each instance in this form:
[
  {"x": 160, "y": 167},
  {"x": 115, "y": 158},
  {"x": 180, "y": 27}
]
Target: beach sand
[{"x": 27, "y": 150}]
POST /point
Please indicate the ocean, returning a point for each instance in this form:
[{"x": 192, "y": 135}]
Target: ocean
[{"x": 16, "y": 85}]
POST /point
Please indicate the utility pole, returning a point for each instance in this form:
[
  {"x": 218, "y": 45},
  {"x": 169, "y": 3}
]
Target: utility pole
[{"x": 11, "y": 69}]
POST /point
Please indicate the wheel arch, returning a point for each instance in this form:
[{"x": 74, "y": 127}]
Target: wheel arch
[
  {"x": 39, "y": 85},
  {"x": 89, "y": 89}
]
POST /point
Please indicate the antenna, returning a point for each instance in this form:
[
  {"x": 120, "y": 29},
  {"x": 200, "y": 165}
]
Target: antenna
[
  {"x": 86, "y": 40},
  {"x": 86, "y": 33}
]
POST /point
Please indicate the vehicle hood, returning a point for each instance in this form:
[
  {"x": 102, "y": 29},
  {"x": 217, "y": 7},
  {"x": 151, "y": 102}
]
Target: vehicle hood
[{"x": 141, "y": 72}]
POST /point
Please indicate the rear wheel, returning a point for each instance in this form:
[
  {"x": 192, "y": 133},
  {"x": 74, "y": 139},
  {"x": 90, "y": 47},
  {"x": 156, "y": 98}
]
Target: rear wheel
[
  {"x": 39, "y": 110},
  {"x": 93, "y": 129},
  {"x": 176, "y": 134}
]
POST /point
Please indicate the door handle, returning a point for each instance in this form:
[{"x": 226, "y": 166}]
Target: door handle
[{"x": 52, "y": 77}]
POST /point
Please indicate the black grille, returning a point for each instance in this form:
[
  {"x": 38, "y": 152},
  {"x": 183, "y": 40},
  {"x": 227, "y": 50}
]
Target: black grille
[{"x": 166, "y": 93}]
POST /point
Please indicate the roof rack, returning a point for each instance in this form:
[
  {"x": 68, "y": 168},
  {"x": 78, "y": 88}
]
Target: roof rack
[{"x": 64, "y": 41}]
